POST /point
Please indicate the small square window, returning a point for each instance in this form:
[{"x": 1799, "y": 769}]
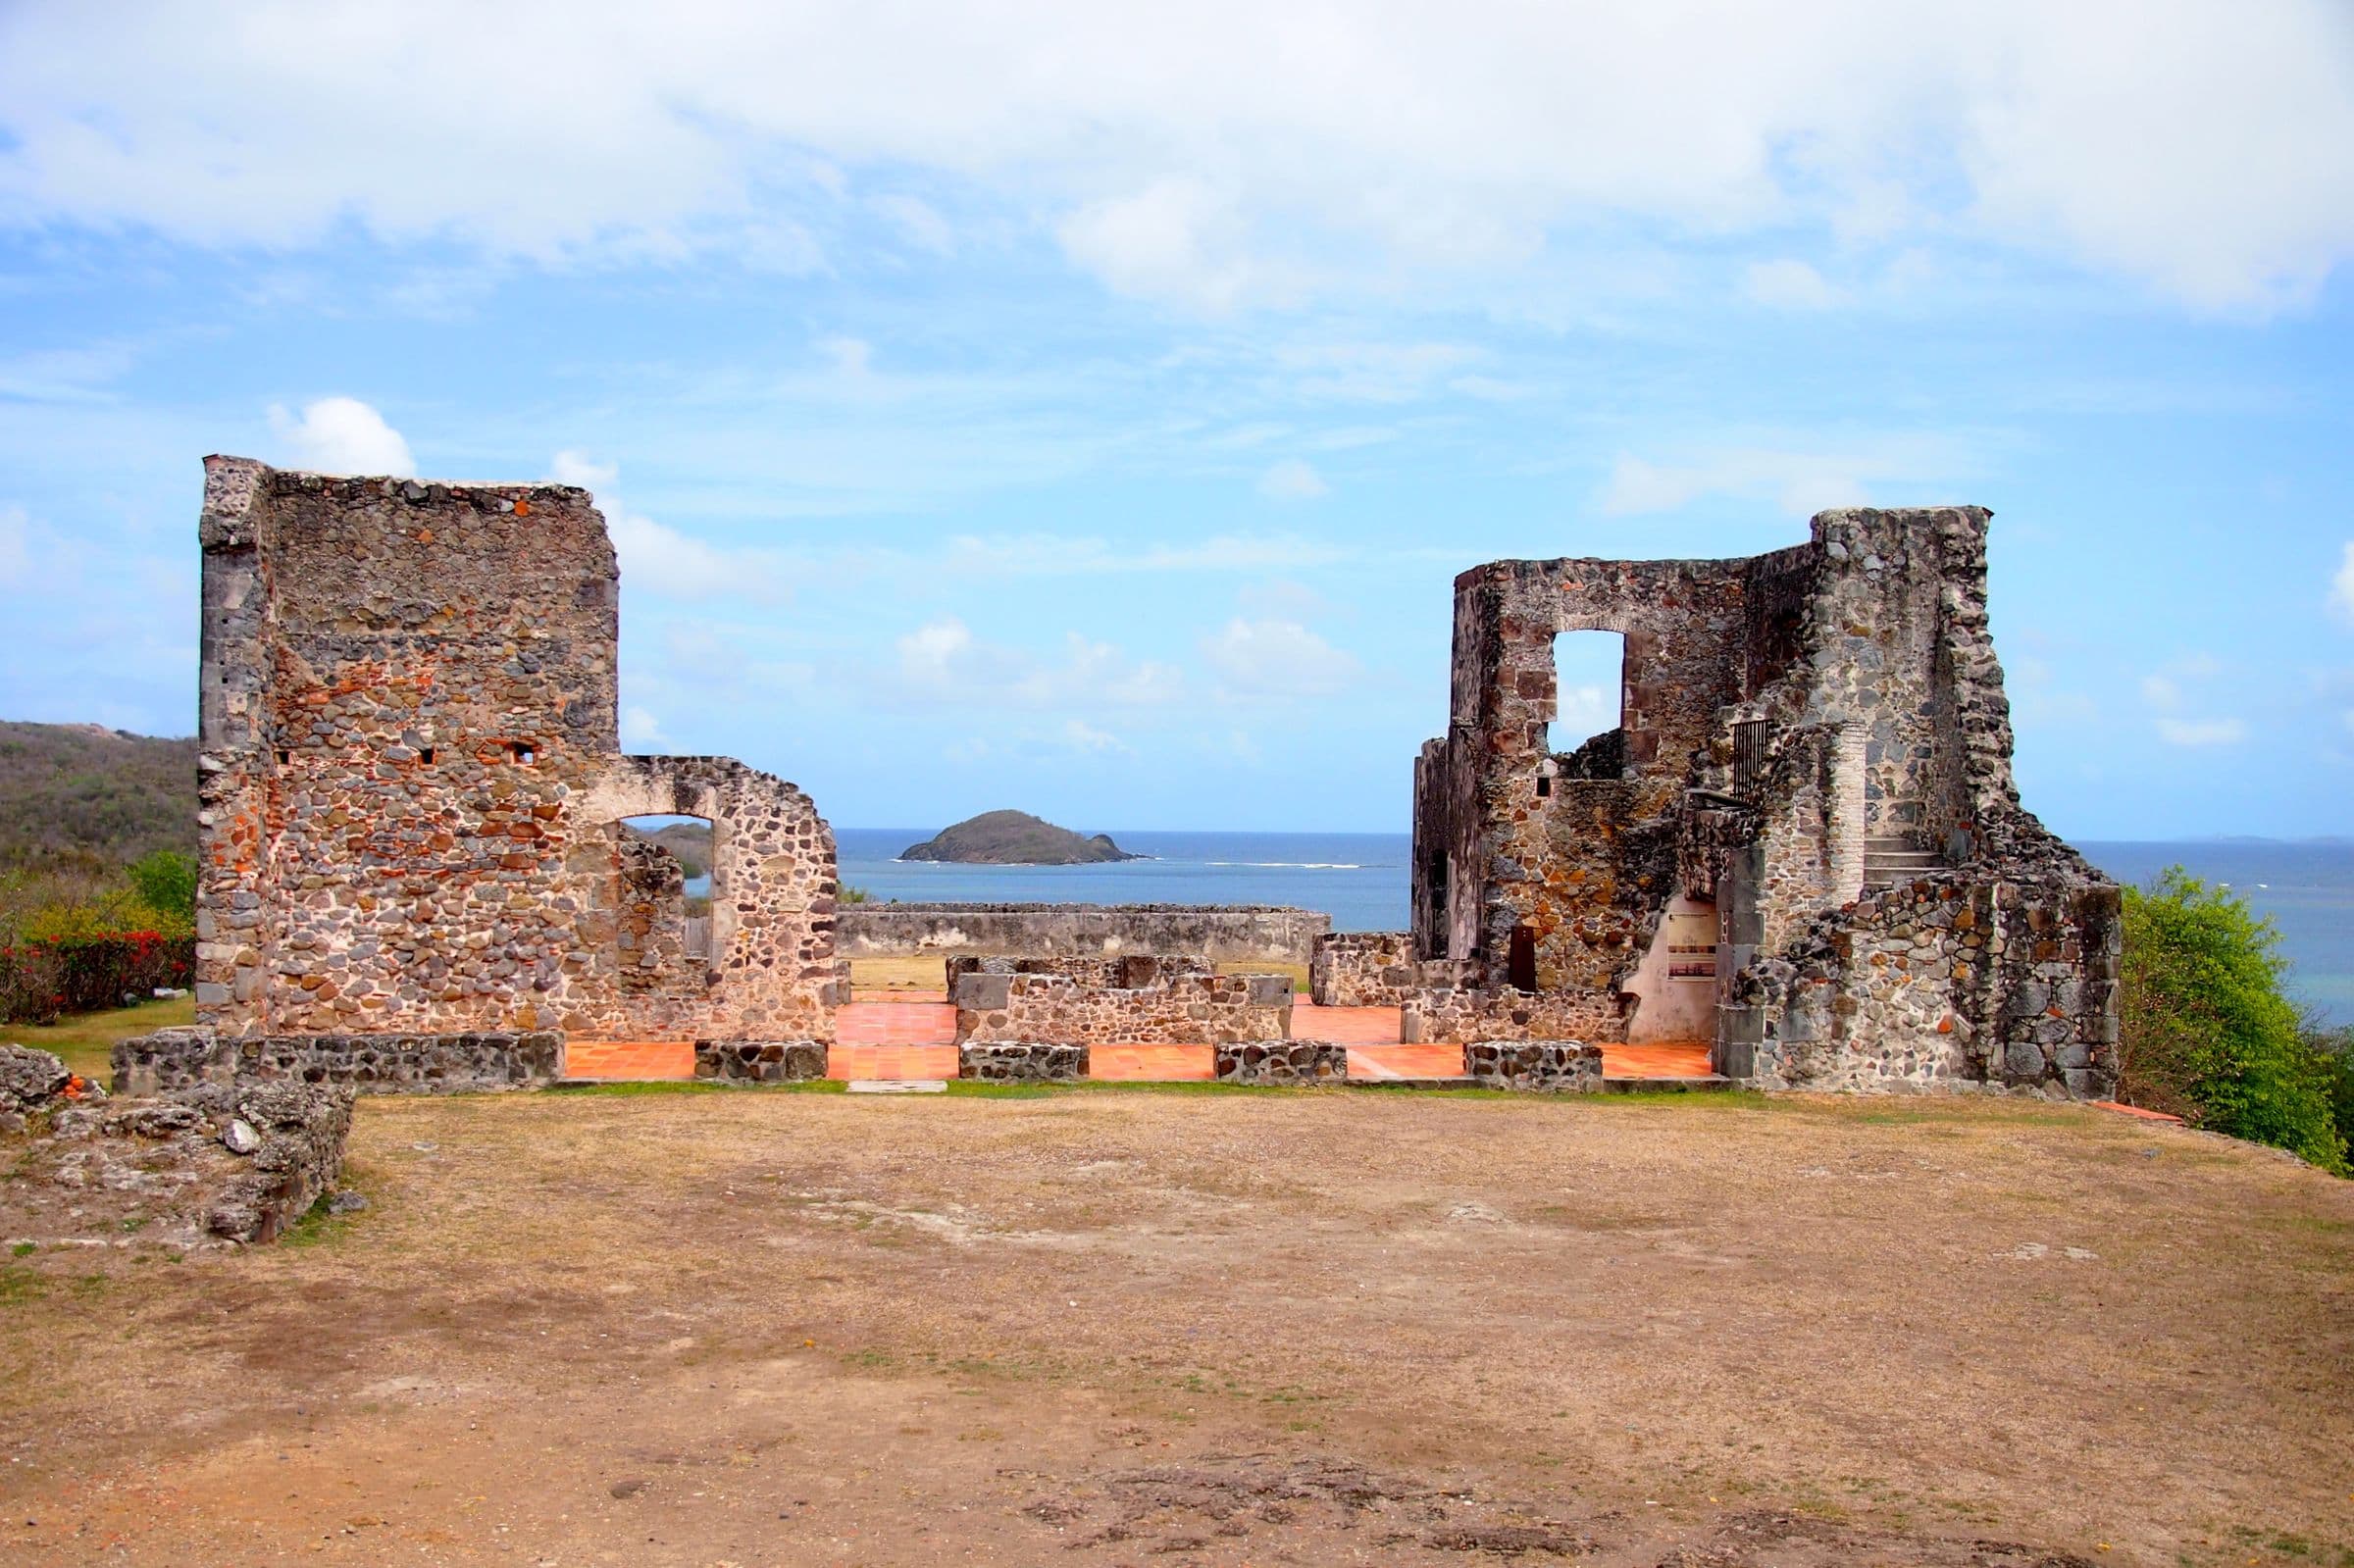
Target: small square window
[
  {"x": 427, "y": 754},
  {"x": 523, "y": 753},
  {"x": 284, "y": 756},
  {"x": 1544, "y": 785}
]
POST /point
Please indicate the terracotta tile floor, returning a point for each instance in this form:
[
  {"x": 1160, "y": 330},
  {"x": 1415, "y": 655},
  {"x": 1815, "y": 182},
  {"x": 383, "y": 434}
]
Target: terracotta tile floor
[
  {"x": 1154, "y": 1064},
  {"x": 1656, "y": 1061},
  {"x": 891, "y": 1061},
  {"x": 1346, "y": 1026},
  {"x": 895, "y": 1023},
  {"x": 628, "y": 1059},
  {"x": 1403, "y": 1061}
]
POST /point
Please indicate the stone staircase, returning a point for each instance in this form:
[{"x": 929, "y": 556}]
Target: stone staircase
[{"x": 1888, "y": 861}]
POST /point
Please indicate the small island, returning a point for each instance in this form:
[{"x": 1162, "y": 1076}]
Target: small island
[{"x": 1015, "y": 838}]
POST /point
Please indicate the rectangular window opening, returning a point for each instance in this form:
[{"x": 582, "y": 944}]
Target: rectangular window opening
[{"x": 523, "y": 753}]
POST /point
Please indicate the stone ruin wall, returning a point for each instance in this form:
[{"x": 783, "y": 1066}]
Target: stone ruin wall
[
  {"x": 1180, "y": 1009},
  {"x": 1863, "y": 659},
  {"x": 1232, "y": 933},
  {"x": 411, "y": 788}
]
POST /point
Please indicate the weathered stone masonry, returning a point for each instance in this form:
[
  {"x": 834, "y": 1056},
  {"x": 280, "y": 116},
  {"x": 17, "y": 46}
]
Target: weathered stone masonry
[
  {"x": 1808, "y": 807},
  {"x": 411, "y": 790}
]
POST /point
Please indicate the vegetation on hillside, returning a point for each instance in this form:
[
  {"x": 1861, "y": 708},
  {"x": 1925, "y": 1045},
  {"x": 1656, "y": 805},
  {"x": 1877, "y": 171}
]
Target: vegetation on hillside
[
  {"x": 2208, "y": 1034},
  {"x": 75, "y": 790}
]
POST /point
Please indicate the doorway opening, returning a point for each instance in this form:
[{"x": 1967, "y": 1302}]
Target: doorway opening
[{"x": 665, "y": 898}]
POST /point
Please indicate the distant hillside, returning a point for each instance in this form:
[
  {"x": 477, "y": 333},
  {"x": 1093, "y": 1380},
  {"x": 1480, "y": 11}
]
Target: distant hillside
[
  {"x": 77, "y": 787},
  {"x": 687, "y": 842},
  {"x": 1014, "y": 839}
]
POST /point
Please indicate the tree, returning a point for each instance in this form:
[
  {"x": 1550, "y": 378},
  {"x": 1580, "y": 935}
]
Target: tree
[
  {"x": 166, "y": 880},
  {"x": 2206, "y": 1031}
]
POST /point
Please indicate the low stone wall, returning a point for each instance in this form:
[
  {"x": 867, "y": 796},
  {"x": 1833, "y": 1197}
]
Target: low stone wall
[
  {"x": 1463, "y": 1015},
  {"x": 380, "y": 1064},
  {"x": 1548, "y": 1065},
  {"x": 1265, "y": 933},
  {"x": 1182, "y": 1010},
  {"x": 1022, "y": 1062},
  {"x": 1283, "y": 1061},
  {"x": 1373, "y": 969},
  {"x": 216, "y": 1163},
  {"x": 1129, "y": 972},
  {"x": 756, "y": 1061},
  {"x": 1939, "y": 984}
]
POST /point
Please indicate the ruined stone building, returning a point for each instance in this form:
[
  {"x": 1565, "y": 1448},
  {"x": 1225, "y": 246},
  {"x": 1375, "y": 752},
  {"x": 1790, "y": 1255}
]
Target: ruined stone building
[
  {"x": 1801, "y": 842},
  {"x": 1797, "y": 856},
  {"x": 412, "y": 794}
]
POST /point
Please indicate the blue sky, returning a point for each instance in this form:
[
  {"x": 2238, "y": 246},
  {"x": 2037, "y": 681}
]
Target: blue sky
[{"x": 1085, "y": 409}]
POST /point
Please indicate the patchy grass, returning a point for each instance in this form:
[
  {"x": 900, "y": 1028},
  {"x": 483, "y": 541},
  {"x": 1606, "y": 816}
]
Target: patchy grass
[
  {"x": 919, "y": 972},
  {"x": 1298, "y": 972},
  {"x": 86, "y": 1039},
  {"x": 660, "y": 1310}
]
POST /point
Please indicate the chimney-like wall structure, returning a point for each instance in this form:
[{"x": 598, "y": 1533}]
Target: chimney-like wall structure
[
  {"x": 412, "y": 791},
  {"x": 1807, "y": 808}
]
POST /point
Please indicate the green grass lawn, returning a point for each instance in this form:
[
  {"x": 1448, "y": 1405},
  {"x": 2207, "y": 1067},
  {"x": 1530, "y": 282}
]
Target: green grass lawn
[{"x": 86, "y": 1039}]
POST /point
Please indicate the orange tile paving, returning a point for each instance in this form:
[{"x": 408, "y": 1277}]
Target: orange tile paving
[
  {"x": 629, "y": 1060},
  {"x": 1154, "y": 1064},
  {"x": 1377, "y": 1062},
  {"x": 864, "y": 1062},
  {"x": 1656, "y": 1061},
  {"x": 1346, "y": 1026},
  {"x": 895, "y": 1023}
]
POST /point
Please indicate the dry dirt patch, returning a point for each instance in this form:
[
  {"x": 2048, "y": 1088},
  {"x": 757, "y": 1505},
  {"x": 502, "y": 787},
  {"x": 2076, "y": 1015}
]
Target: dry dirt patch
[{"x": 1138, "y": 1327}]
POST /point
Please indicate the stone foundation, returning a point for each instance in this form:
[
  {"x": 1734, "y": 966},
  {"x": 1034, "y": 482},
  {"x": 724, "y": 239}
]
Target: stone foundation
[
  {"x": 1283, "y": 1061},
  {"x": 1128, "y": 972},
  {"x": 1373, "y": 969},
  {"x": 174, "y": 1059},
  {"x": 1022, "y": 1062},
  {"x": 1551, "y": 1066},
  {"x": 214, "y": 1164},
  {"x": 1181, "y": 1010},
  {"x": 1452, "y": 1016},
  {"x": 1264, "y": 934},
  {"x": 755, "y": 1061}
]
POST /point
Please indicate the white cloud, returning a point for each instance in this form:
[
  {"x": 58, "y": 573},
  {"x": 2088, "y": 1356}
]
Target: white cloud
[
  {"x": 1275, "y": 657},
  {"x": 2341, "y": 587},
  {"x": 2165, "y": 692},
  {"x": 1293, "y": 481},
  {"x": 918, "y": 222},
  {"x": 660, "y": 558},
  {"x": 1064, "y": 555},
  {"x": 342, "y": 435},
  {"x": 642, "y": 731},
  {"x": 2204, "y": 146},
  {"x": 1082, "y": 736},
  {"x": 941, "y": 662},
  {"x": 2202, "y": 732},
  {"x": 1173, "y": 240},
  {"x": 1799, "y": 482},
  {"x": 1788, "y": 284}
]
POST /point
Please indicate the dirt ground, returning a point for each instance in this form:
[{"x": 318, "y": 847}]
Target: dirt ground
[{"x": 1104, "y": 1326}]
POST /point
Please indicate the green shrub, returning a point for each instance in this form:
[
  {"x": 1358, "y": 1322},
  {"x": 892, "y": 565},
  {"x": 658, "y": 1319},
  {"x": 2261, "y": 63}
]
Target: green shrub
[
  {"x": 2207, "y": 1033},
  {"x": 166, "y": 880}
]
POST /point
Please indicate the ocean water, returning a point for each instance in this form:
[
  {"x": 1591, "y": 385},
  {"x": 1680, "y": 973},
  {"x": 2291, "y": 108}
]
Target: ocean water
[
  {"x": 2307, "y": 889},
  {"x": 1357, "y": 879},
  {"x": 1361, "y": 881}
]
